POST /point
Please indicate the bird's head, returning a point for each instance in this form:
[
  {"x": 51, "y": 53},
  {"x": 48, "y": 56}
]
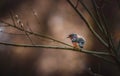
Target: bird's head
[{"x": 73, "y": 37}]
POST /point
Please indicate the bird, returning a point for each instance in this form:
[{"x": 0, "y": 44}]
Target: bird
[{"x": 77, "y": 41}]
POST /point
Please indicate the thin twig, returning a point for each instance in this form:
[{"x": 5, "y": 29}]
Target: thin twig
[
  {"x": 90, "y": 13},
  {"x": 35, "y": 34},
  {"x": 13, "y": 33},
  {"x": 106, "y": 31},
  {"x": 102, "y": 53},
  {"x": 99, "y": 17},
  {"x": 93, "y": 53},
  {"x": 110, "y": 42},
  {"x": 56, "y": 47},
  {"x": 32, "y": 33},
  {"x": 12, "y": 18},
  {"x": 20, "y": 23},
  {"x": 88, "y": 24}
]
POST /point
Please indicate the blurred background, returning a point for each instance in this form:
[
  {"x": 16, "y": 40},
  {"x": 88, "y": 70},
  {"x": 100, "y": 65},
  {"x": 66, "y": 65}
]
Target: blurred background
[{"x": 55, "y": 18}]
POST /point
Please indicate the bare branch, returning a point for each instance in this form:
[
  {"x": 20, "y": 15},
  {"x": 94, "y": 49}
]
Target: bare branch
[
  {"x": 35, "y": 34},
  {"x": 93, "y": 53},
  {"x": 55, "y": 47},
  {"x": 88, "y": 24}
]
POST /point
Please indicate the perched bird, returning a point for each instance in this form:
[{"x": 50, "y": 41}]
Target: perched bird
[{"x": 77, "y": 41}]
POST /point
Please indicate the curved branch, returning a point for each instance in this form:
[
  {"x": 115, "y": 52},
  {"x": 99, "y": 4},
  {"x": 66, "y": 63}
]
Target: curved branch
[
  {"x": 88, "y": 24},
  {"x": 93, "y": 53},
  {"x": 35, "y": 34},
  {"x": 55, "y": 47}
]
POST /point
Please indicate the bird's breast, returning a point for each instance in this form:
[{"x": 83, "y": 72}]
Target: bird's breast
[{"x": 75, "y": 44}]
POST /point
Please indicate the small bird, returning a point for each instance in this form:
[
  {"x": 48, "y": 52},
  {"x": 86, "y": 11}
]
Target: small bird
[{"x": 77, "y": 41}]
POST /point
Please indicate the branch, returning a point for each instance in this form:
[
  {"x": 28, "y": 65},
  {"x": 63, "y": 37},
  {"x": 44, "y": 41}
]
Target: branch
[
  {"x": 98, "y": 16},
  {"x": 39, "y": 35},
  {"x": 35, "y": 34},
  {"x": 88, "y": 24},
  {"x": 91, "y": 14},
  {"x": 20, "y": 23},
  {"x": 93, "y": 53},
  {"x": 55, "y": 47},
  {"x": 42, "y": 46}
]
